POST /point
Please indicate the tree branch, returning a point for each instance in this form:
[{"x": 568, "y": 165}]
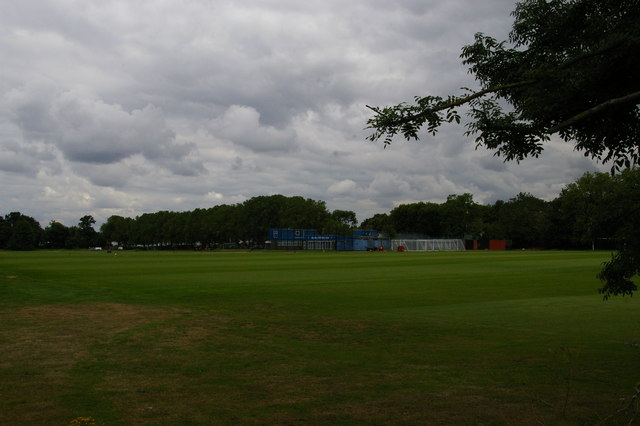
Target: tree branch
[
  {"x": 591, "y": 111},
  {"x": 457, "y": 102}
]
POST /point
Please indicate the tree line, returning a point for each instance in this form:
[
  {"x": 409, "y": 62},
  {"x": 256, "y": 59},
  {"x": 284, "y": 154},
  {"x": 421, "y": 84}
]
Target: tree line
[
  {"x": 598, "y": 210},
  {"x": 22, "y": 232},
  {"x": 244, "y": 224}
]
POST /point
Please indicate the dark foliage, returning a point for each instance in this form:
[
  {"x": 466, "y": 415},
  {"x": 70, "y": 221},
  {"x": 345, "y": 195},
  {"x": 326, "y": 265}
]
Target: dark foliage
[
  {"x": 19, "y": 232},
  {"x": 569, "y": 68}
]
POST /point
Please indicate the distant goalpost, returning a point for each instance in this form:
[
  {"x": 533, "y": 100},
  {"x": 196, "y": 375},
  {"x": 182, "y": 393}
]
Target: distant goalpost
[{"x": 428, "y": 245}]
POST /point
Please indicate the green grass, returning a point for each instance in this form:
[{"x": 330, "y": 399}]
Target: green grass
[{"x": 299, "y": 338}]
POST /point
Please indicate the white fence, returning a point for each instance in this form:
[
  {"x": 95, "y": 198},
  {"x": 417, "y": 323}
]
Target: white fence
[{"x": 428, "y": 245}]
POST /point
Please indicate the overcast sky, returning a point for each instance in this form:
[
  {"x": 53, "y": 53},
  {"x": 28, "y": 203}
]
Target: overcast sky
[{"x": 126, "y": 107}]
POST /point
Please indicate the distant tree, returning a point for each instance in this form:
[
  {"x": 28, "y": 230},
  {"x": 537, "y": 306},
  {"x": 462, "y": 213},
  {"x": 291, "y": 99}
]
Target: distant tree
[
  {"x": 340, "y": 222},
  {"x": 23, "y": 237},
  {"x": 259, "y": 214},
  {"x": 118, "y": 229},
  {"x": 380, "y": 222},
  {"x": 164, "y": 229},
  {"x": 55, "y": 235},
  {"x": 303, "y": 213},
  {"x": 24, "y": 232},
  {"x": 86, "y": 235},
  {"x": 421, "y": 218},
  {"x": 226, "y": 222},
  {"x": 461, "y": 217},
  {"x": 277, "y": 211},
  {"x": 345, "y": 217},
  {"x": 523, "y": 220},
  {"x": 86, "y": 222},
  {"x": 5, "y": 232},
  {"x": 494, "y": 229},
  {"x": 74, "y": 239},
  {"x": 145, "y": 230},
  {"x": 582, "y": 211},
  {"x": 196, "y": 229},
  {"x": 174, "y": 229}
]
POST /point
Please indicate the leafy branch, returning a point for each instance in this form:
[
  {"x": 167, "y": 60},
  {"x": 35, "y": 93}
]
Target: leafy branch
[{"x": 432, "y": 110}]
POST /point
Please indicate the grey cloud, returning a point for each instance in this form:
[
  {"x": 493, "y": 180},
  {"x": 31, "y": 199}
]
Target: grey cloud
[
  {"x": 237, "y": 164},
  {"x": 241, "y": 125},
  {"x": 386, "y": 185},
  {"x": 26, "y": 159},
  {"x": 15, "y": 163},
  {"x": 107, "y": 175},
  {"x": 493, "y": 163},
  {"x": 184, "y": 167},
  {"x": 88, "y": 130},
  {"x": 52, "y": 17}
]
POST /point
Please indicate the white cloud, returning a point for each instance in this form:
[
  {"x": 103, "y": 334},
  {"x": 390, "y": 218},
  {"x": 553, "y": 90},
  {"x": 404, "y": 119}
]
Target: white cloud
[{"x": 345, "y": 187}]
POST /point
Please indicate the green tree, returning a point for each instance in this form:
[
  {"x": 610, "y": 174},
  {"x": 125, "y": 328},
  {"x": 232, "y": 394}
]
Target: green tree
[
  {"x": 259, "y": 214},
  {"x": 380, "y": 222},
  {"x": 618, "y": 273},
  {"x": 145, "y": 231},
  {"x": 55, "y": 235},
  {"x": 340, "y": 222},
  {"x": 5, "y": 232},
  {"x": 345, "y": 217},
  {"x": 303, "y": 213},
  {"x": 196, "y": 228},
  {"x": 24, "y": 232},
  {"x": 461, "y": 217},
  {"x": 118, "y": 229},
  {"x": 226, "y": 222},
  {"x": 422, "y": 218},
  {"x": 87, "y": 236},
  {"x": 585, "y": 210},
  {"x": 523, "y": 220},
  {"x": 277, "y": 211}
]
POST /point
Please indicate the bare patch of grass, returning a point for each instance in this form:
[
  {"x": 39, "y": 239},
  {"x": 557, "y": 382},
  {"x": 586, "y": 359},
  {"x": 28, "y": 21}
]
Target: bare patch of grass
[{"x": 41, "y": 345}]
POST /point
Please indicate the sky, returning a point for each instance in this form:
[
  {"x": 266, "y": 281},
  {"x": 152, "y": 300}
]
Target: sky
[{"x": 129, "y": 107}]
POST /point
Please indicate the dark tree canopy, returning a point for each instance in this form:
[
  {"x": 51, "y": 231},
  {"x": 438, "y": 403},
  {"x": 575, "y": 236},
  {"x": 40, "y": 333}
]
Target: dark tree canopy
[
  {"x": 623, "y": 211},
  {"x": 345, "y": 217},
  {"x": 19, "y": 232},
  {"x": 570, "y": 67},
  {"x": 55, "y": 235}
]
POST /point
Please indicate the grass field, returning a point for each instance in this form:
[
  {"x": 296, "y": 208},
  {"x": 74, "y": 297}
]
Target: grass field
[{"x": 186, "y": 338}]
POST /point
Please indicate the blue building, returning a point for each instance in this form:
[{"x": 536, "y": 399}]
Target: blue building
[{"x": 309, "y": 239}]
